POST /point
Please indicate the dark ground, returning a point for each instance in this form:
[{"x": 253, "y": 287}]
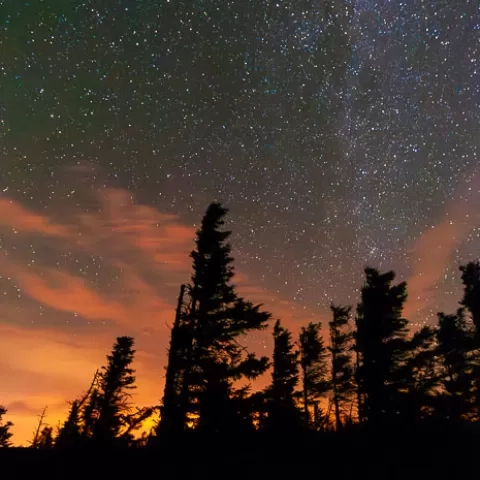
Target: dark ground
[{"x": 407, "y": 455}]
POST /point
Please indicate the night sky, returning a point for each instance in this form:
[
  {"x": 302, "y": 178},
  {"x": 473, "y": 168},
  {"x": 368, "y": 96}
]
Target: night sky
[{"x": 339, "y": 133}]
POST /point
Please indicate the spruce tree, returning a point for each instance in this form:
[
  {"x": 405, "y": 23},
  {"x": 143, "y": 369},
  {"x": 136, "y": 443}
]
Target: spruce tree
[
  {"x": 283, "y": 414},
  {"x": 341, "y": 345},
  {"x": 173, "y": 411},
  {"x": 455, "y": 338},
  {"x": 381, "y": 346},
  {"x": 313, "y": 363},
  {"x": 45, "y": 438},
  {"x": 471, "y": 293},
  {"x": 112, "y": 398},
  {"x": 73, "y": 430},
  {"x": 5, "y": 433},
  {"x": 216, "y": 320},
  {"x": 420, "y": 378},
  {"x": 471, "y": 302},
  {"x": 70, "y": 432}
]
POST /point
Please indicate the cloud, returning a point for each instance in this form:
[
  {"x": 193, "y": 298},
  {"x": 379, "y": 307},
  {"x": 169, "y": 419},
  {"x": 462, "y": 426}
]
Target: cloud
[
  {"x": 433, "y": 251},
  {"x": 142, "y": 244},
  {"x": 121, "y": 226},
  {"x": 19, "y": 219}
]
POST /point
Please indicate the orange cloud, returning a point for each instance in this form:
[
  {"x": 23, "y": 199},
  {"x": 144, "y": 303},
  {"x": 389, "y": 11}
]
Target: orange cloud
[
  {"x": 121, "y": 225},
  {"x": 18, "y": 218},
  {"x": 433, "y": 251}
]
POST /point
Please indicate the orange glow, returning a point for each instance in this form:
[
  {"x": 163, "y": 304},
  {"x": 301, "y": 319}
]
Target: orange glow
[{"x": 42, "y": 366}]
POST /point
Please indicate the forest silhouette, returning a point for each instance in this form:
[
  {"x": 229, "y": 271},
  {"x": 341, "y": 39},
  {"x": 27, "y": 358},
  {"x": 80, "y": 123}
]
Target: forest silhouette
[{"x": 363, "y": 393}]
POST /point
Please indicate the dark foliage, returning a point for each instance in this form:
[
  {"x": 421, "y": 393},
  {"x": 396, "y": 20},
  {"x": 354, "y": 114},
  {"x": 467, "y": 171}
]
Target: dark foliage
[
  {"x": 283, "y": 414},
  {"x": 471, "y": 292},
  {"x": 5, "y": 433},
  {"x": 342, "y": 369},
  {"x": 381, "y": 347},
  {"x": 314, "y": 367}
]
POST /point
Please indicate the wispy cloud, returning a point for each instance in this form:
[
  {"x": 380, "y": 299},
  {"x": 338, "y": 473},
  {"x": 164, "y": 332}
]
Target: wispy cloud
[{"x": 433, "y": 252}]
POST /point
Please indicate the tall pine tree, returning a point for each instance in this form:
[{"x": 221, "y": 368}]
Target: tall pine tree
[
  {"x": 420, "y": 377},
  {"x": 341, "y": 344},
  {"x": 381, "y": 346},
  {"x": 216, "y": 320},
  {"x": 174, "y": 408},
  {"x": 104, "y": 417},
  {"x": 112, "y": 401},
  {"x": 283, "y": 414},
  {"x": 471, "y": 302},
  {"x": 471, "y": 292},
  {"x": 313, "y": 363},
  {"x": 455, "y": 338}
]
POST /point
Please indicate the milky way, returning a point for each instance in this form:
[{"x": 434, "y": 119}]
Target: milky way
[{"x": 340, "y": 134}]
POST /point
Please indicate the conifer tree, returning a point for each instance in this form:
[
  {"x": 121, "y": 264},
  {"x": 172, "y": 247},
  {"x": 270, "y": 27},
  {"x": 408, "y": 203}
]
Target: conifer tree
[
  {"x": 70, "y": 432},
  {"x": 341, "y": 344},
  {"x": 313, "y": 363},
  {"x": 112, "y": 398},
  {"x": 45, "y": 438},
  {"x": 381, "y": 346},
  {"x": 283, "y": 414},
  {"x": 173, "y": 410},
  {"x": 420, "y": 377},
  {"x": 104, "y": 416},
  {"x": 471, "y": 302},
  {"x": 216, "y": 319},
  {"x": 471, "y": 293},
  {"x": 73, "y": 430},
  {"x": 90, "y": 412},
  {"x": 5, "y": 433},
  {"x": 455, "y": 339}
]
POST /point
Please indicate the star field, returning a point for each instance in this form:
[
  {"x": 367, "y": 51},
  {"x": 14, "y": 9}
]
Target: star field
[{"x": 341, "y": 134}]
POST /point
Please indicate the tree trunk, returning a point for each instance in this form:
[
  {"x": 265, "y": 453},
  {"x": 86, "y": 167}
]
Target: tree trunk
[
  {"x": 305, "y": 397},
  {"x": 171, "y": 418},
  {"x": 359, "y": 393}
]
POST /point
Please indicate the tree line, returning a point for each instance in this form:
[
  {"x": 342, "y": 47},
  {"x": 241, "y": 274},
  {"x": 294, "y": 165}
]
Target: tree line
[{"x": 368, "y": 369}]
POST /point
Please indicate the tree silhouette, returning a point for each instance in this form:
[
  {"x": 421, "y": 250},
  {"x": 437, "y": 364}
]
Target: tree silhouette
[
  {"x": 471, "y": 292},
  {"x": 283, "y": 414},
  {"x": 70, "y": 433},
  {"x": 471, "y": 301},
  {"x": 419, "y": 377},
  {"x": 381, "y": 346},
  {"x": 215, "y": 320},
  {"x": 174, "y": 407},
  {"x": 110, "y": 402},
  {"x": 5, "y": 433},
  {"x": 341, "y": 345},
  {"x": 74, "y": 430},
  {"x": 313, "y": 362},
  {"x": 455, "y": 338},
  {"x": 104, "y": 416},
  {"x": 43, "y": 437}
]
